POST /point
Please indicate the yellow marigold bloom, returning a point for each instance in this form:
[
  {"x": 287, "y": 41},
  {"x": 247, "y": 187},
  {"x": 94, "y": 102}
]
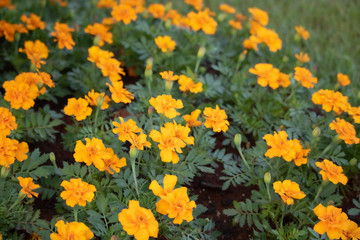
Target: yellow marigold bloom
[
  {"x": 174, "y": 16},
  {"x": 259, "y": 15},
  {"x": 331, "y": 172},
  {"x": 343, "y": 79},
  {"x": 106, "y": 3},
  {"x": 216, "y": 119},
  {"x": 270, "y": 38},
  {"x": 235, "y": 24},
  {"x": 304, "y": 76},
  {"x": 240, "y": 17},
  {"x": 108, "y": 21},
  {"x": 203, "y": 21},
  {"x": 7, "y": 4},
  {"x": 351, "y": 231},
  {"x": 28, "y": 186},
  {"x": 302, "y": 57},
  {"x": 157, "y": 10},
  {"x": 113, "y": 163},
  {"x": 33, "y": 22},
  {"x": 191, "y": 120},
  {"x": 111, "y": 68},
  {"x": 21, "y": 151},
  {"x": 35, "y": 51},
  {"x": 251, "y": 42},
  {"x": 227, "y": 8},
  {"x": 169, "y": 76},
  {"x": 78, "y": 107},
  {"x": 138, "y": 221},
  {"x": 124, "y": 13},
  {"x": 137, "y": 5},
  {"x": 8, "y": 149},
  {"x": 7, "y": 121},
  {"x": 125, "y": 129},
  {"x": 332, "y": 221},
  {"x": 165, "y": 43},
  {"x": 187, "y": 84},
  {"x": 180, "y": 132},
  {"x": 267, "y": 75},
  {"x": 77, "y": 192},
  {"x": 120, "y": 94},
  {"x": 354, "y": 112},
  {"x": 97, "y": 55},
  {"x": 101, "y": 31},
  {"x": 37, "y": 79},
  {"x": 46, "y": 79},
  {"x": 301, "y": 154},
  {"x": 169, "y": 183},
  {"x": 284, "y": 80},
  {"x": 345, "y": 130},
  {"x": 302, "y": 32},
  {"x": 177, "y": 205},
  {"x": 94, "y": 98},
  {"x": 139, "y": 141},
  {"x": 20, "y": 94},
  {"x": 197, "y": 4},
  {"x": 94, "y": 152},
  {"x": 166, "y": 105},
  {"x": 8, "y": 30},
  {"x": 63, "y": 36},
  {"x": 71, "y": 230},
  {"x": 288, "y": 191},
  {"x": 330, "y": 100},
  {"x": 280, "y": 146}
]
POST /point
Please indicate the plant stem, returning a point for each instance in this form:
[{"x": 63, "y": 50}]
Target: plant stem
[
  {"x": 75, "y": 214},
  {"x": 134, "y": 175},
  {"x": 96, "y": 115},
  {"x": 243, "y": 158}
]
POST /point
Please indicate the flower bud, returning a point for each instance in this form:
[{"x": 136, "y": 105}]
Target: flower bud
[
  {"x": 114, "y": 237},
  {"x": 353, "y": 162},
  {"x": 316, "y": 132},
  {"x": 237, "y": 140},
  {"x": 21, "y": 195},
  {"x": 4, "y": 172},
  {"x": 285, "y": 59},
  {"x": 168, "y": 85},
  {"x": 148, "y": 69},
  {"x": 201, "y": 52},
  {"x": 168, "y": 24},
  {"x": 151, "y": 110},
  {"x": 221, "y": 17},
  {"x": 267, "y": 177},
  {"x": 52, "y": 157},
  {"x": 96, "y": 40},
  {"x": 297, "y": 38},
  {"x": 133, "y": 153},
  {"x": 242, "y": 55},
  {"x": 100, "y": 101}
]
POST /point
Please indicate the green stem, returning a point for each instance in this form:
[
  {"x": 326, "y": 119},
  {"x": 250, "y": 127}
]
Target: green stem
[
  {"x": 243, "y": 158},
  {"x": 134, "y": 175},
  {"x": 268, "y": 191},
  {"x": 96, "y": 115},
  {"x": 197, "y": 65},
  {"x": 75, "y": 213},
  {"x": 318, "y": 193}
]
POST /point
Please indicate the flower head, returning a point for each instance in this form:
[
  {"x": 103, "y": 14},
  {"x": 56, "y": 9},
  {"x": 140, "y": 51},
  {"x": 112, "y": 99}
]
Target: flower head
[
  {"x": 62, "y": 34},
  {"x": 33, "y": 22},
  {"x": 304, "y": 76},
  {"x": 165, "y": 43},
  {"x": 124, "y": 13},
  {"x": 259, "y": 16},
  {"x": 138, "y": 221},
  {"x": 331, "y": 172},
  {"x": 345, "y": 130},
  {"x": 280, "y": 146},
  {"x": 102, "y": 31},
  {"x": 302, "y": 57},
  {"x": 169, "y": 183},
  {"x": 35, "y": 51},
  {"x": 354, "y": 112},
  {"x": 191, "y": 120},
  {"x": 71, "y": 230},
  {"x": 94, "y": 98},
  {"x": 343, "y": 79},
  {"x": 119, "y": 93},
  {"x": 77, "y": 192},
  {"x": 197, "y": 4},
  {"x": 125, "y": 129},
  {"x": 216, "y": 119},
  {"x": 169, "y": 76},
  {"x": 28, "y": 186},
  {"x": 187, "y": 84},
  {"x": 270, "y": 38},
  {"x": 157, "y": 10},
  {"x": 78, "y": 107},
  {"x": 20, "y": 94},
  {"x": 302, "y": 32},
  {"x": 7, "y": 121},
  {"x": 331, "y": 100},
  {"x": 351, "y": 231},
  {"x": 288, "y": 191},
  {"x": 227, "y": 8},
  {"x": 113, "y": 163},
  {"x": 166, "y": 104},
  {"x": 8, "y": 30},
  {"x": 267, "y": 75},
  {"x": 202, "y": 20}
]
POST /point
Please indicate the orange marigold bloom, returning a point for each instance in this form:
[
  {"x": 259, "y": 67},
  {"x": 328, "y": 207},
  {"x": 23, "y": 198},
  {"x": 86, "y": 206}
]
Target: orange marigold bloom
[
  {"x": 270, "y": 38},
  {"x": 78, "y": 107},
  {"x": 187, "y": 84},
  {"x": 97, "y": 55},
  {"x": 77, "y": 192},
  {"x": 74, "y": 230},
  {"x": 157, "y": 10},
  {"x": 63, "y": 36},
  {"x": 124, "y": 13},
  {"x": 280, "y": 146},
  {"x": 345, "y": 130},
  {"x": 169, "y": 183},
  {"x": 343, "y": 79},
  {"x": 191, "y": 120},
  {"x": 166, "y": 104},
  {"x": 7, "y": 4},
  {"x": 8, "y": 30},
  {"x": 197, "y": 4},
  {"x": 139, "y": 141},
  {"x": 139, "y": 221},
  {"x": 120, "y": 94},
  {"x": 95, "y": 99},
  {"x": 332, "y": 221},
  {"x": 101, "y": 31},
  {"x": 111, "y": 68},
  {"x": 137, "y": 5},
  {"x": 235, "y": 24},
  {"x": 304, "y": 76},
  {"x": 288, "y": 191},
  {"x": 33, "y": 22},
  {"x": 302, "y": 32},
  {"x": 7, "y": 121},
  {"x": 301, "y": 154},
  {"x": 330, "y": 100},
  {"x": 169, "y": 76},
  {"x": 284, "y": 80},
  {"x": 20, "y": 94},
  {"x": 165, "y": 43},
  {"x": 180, "y": 132},
  {"x": 267, "y": 75},
  {"x": 351, "y": 231},
  {"x": 113, "y": 163},
  {"x": 106, "y": 3},
  {"x": 35, "y": 51},
  {"x": 227, "y": 8},
  {"x": 259, "y": 15},
  {"x": 331, "y": 172},
  {"x": 125, "y": 129},
  {"x": 251, "y": 42},
  {"x": 354, "y": 112},
  {"x": 203, "y": 21},
  {"x": 28, "y": 186},
  {"x": 11, "y": 149},
  {"x": 302, "y": 57},
  {"x": 216, "y": 119},
  {"x": 174, "y": 16}
]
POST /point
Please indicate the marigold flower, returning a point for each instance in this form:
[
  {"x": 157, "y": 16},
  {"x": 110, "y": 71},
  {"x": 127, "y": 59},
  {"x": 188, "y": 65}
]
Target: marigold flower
[
  {"x": 101, "y": 31},
  {"x": 203, "y": 21},
  {"x": 7, "y": 4},
  {"x": 169, "y": 183},
  {"x": 191, "y": 120},
  {"x": 288, "y": 191},
  {"x": 139, "y": 141},
  {"x": 20, "y": 94},
  {"x": 187, "y": 84},
  {"x": 157, "y": 10},
  {"x": 227, "y": 8},
  {"x": 97, "y": 56},
  {"x": 304, "y": 76},
  {"x": 35, "y": 51},
  {"x": 165, "y": 43},
  {"x": 124, "y": 13},
  {"x": 332, "y": 221},
  {"x": 259, "y": 16},
  {"x": 94, "y": 98},
  {"x": 28, "y": 186},
  {"x": 63, "y": 36},
  {"x": 345, "y": 130},
  {"x": 174, "y": 16},
  {"x": 284, "y": 80},
  {"x": 138, "y": 221},
  {"x": 169, "y": 76},
  {"x": 8, "y": 30},
  {"x": 330, "y": 100},
  {"x": 8, "y": 149},
  {"x": 113, "y": 163},
  {"x": 270, "y": 38},
  {"x": 351, "y": 231},
  {"x": 125, "y": 129},
  {"x": 267, "y": 75},
  {"x": 75, "y": 230},
  {"x": 77, "y": 192},
  {"x": 280, "y": 146},
  {"x": 33, "y": 22},
  {"x": 302, "y": 57},
  {"x": 235, "y": 24},
  {"x": 343, "y": 79},
  {"x": 354, "y": 112},
  {"x": 166, "y": 104},
  {"x": 137, "y": 5},
  {"x": 302, "y": 32},
  {"x": 120, "y": 94},
  {"x": 78, "y": 107},
  {"x": 21, "y": 151},
  {"x": 106, "y": 3},
  {"x": 216, "y": 119},
  {"x": 180, "y": 132},
  {"x": 331, "y": 172},
  {"x": 111, "y": 68},
  {"x": 251, "y": 42},
  {"x": 301, "y": 154},
  {"x": 7, "y": 121},
  {"x": 197, "y": 4}
]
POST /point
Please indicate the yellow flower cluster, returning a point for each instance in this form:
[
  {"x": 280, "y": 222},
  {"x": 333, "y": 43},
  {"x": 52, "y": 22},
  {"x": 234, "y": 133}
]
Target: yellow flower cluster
[
  {"x": 63, "y": 35},
  {"x": 288, "y": 191},
  {"x": 270, "y": 76},
  {"x": 331, "y": 100},
  {"x": 77, "y": 192},
  {"x": 11, "y": 149}
]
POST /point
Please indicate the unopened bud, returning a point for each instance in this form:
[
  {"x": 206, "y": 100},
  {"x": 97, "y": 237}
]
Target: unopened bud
[
  {"x": 4, "y": 172},
  {"x": 297, "y": 38},
  {"x": 221, "y": 17},
  {"x": 237, "y": 140},
  {"x": 168, "y": 85},
  {"x": 151, "y": 110},
  {"x": 285, "y": 59},
  {"x": 242, "y": 56},
  {"x": 316, "y": 132},
  {"x": 168, "y": 24},
  {"x": 114, "y": 237},
  {"x": 133, "y": 153},
  {"x": 52, "y": 157},
  {"x": 168, "y": 6},
  {"x": 336, "y": 139},
  {"x": 21, "y": 195},
  {"x": 358, "y": 95},
  {"x": 96, "y": 40},
  {"x": 267, "y": 177},
  {"x": 353, "y": 162},
  {"x": 122, "y": 234},
  {"x": 201, "y": 52},
  {"x": 100, "y": 101},
  {"x": 148, "y": 69},
  {"x": 32, "y": 67}
]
